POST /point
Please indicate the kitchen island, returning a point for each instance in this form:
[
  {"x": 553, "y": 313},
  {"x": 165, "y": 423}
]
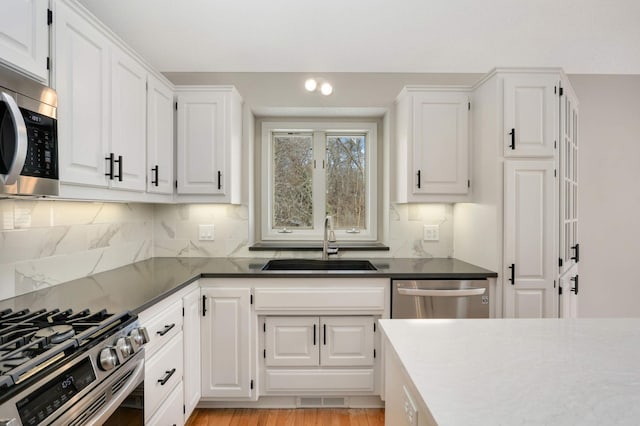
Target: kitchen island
[{"x": 512, "y": 371}]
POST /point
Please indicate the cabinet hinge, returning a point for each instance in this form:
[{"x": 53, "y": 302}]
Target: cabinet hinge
[
  {"x": 182, "y": 311},
  {"x": 251, "y": 299},
  {"x": 560, "y": 262},
  {"x": 560, "y": 291},
  {"x": 264, "y": 327},
  {"x": 374, "y": 327},
  {"x": 48, "y": 63},
  {"x": 264, "y": 354},
  {"x": 49, "y": 16},
  {"x": 176, "y": 184},
  {"x": 555, "y": 144},
  {"x": 554, "y": 283},
  {"x": 469, "y": 106},
  {"x": 468, "y": 183},
  {"x": 251, "y": 384},
  {"x": 374, "y": 353},
  {"x": 555, "y": 90},
  {"x": 184, "y": 409},
  {"x": 176, "y": 106},
  {"x": 561, "y": 91},
  {"x": 555, "y": 173}
]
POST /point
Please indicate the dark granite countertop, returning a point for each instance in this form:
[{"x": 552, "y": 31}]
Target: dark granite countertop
[{"x": 137, "y": 286}]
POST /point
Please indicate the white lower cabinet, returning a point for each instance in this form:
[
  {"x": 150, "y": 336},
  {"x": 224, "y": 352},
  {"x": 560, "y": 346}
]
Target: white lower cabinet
[
  {"x": 226, "y": 335},
  {"x": 170, "y": 413},
  {"x": 191, "y": 332},
  {"x": 162, "y": 374}
]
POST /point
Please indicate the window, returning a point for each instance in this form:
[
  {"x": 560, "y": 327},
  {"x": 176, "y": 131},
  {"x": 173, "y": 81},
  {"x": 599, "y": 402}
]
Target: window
[{"x": 318, "y": 169}]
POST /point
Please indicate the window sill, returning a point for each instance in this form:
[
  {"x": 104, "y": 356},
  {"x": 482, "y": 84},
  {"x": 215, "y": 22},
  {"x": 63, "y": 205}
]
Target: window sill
[{"x": 316, "y": 246}]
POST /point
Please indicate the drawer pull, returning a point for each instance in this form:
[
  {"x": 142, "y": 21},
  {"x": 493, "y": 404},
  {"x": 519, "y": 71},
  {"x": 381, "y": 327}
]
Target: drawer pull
[
  {"x": 167, "y": 376},
  {"x": 166, "y": 329}
]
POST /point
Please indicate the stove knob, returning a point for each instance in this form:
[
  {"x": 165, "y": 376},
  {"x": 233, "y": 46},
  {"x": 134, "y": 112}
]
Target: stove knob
[
  {"x": 107, "y": 359},
  {"x": 139, "y": 337},
  {"x": 123, "y": 345}
]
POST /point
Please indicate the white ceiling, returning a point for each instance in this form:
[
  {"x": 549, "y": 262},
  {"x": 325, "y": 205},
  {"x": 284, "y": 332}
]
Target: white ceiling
[{"x": 424, "y": 36}]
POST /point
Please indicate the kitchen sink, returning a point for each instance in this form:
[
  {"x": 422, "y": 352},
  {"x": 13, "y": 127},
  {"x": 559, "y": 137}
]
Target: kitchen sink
[{"x": 318, "y": 265}]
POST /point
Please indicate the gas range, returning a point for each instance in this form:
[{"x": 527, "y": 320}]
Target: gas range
[{"x": 65, "y": 367}]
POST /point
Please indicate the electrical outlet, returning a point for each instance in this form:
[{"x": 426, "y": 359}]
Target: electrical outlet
[
  {"x": 431, "y": 233},
  {"x": 205, "y": 232}
]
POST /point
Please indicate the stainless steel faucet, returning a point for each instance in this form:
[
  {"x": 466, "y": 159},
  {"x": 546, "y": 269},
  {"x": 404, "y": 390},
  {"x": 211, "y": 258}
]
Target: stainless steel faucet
[{"x": 329, "y": 237}]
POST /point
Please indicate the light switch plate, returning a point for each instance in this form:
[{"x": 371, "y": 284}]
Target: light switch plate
[
  {"x": 431, "y": 233},
  {"x": 205, "y": 232}
]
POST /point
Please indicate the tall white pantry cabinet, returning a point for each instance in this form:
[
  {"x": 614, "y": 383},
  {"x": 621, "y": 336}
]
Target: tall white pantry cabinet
[{"x": 524, "y": 219}]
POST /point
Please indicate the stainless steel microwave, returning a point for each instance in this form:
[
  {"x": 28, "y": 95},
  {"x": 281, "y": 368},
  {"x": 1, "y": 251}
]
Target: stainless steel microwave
[{"x": 28, "y": 136}]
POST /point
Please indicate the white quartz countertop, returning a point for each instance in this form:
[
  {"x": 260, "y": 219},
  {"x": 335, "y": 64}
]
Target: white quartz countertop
[{"x": 520, "y": 371}]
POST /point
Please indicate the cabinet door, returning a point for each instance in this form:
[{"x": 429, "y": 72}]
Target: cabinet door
[
  {"x": 128, "y": 121},
  {"x": 346, "y": 341},
  {"x": 202, "y": 118},
  {"x": 569, "y": 249},
  {"x": 529, "y": 244},
  {"x": 291, "y": 341},
  {"x": 82, "y": 73},
  {"x": 162, "y": 373},
  {"x": 170, "y": 413},
  {"x": 191, "y": 334},
  {"x": 440, "y": 143},
  {"x": 159, "y": 137},
  {"x": 226, "y": 343},
  {"x": 24, "y": 37},
  {"x": 530, "y": 115}
]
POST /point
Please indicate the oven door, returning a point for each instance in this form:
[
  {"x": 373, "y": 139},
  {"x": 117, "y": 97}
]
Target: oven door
[
  {"x": 440, "y": 299},
  {"x": 114, "y": 401},
  {"x": 13, "y": 143}
]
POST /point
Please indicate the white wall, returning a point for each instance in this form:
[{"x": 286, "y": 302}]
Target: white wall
[{"x": 609, "y": 195}]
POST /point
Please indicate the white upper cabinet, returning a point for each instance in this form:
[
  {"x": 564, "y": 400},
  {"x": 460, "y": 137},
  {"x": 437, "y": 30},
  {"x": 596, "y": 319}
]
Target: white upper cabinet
[
  {"x": 432, "y": 144},
  {"x": 159, "y": 137},
  {"x": 530, "y": 115},
  {"x": 529, "y": 226},
  {"x": 81, "y": 78},
  {"x": 209, "y": 142},
  {"x": 24, "y": 37},
  {"x": 128, "y": 121}
]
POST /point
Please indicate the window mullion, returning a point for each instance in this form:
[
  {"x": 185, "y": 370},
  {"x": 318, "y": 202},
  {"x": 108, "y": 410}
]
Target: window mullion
[{"x": 319, "y": 182}]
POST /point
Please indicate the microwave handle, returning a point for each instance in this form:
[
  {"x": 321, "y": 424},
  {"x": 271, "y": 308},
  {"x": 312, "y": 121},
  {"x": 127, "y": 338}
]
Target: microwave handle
[{"x": 17, "y": 163}]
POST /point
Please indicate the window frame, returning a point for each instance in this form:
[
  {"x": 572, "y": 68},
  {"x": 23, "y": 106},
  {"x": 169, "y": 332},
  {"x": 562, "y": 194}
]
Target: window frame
[{"x": 319, "y": 130}]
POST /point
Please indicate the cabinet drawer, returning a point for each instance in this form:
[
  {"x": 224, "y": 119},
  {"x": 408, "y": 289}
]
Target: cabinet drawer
[
  {"x": 163, "y": 372},
  {"x": 333, "y": 299},
  {"x": 170, "y": 413},
  {"x": 163, "y": 327},
  {"x": 280, "y": 381}
]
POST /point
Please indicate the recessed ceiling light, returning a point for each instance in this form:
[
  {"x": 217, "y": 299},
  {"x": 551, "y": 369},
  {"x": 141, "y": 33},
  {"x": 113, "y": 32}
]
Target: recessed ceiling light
[
  {"x": 310, "y": 85},
  {"x": 326, "y": 89}
]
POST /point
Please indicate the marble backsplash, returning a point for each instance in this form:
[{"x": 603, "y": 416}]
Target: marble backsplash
[
  {"x": 175, "y": 232},
  {"x": 43, "y": 243}
]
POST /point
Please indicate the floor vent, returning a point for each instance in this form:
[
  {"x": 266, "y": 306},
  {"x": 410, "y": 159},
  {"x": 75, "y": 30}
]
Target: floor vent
[{"x": 309, "y": 402}]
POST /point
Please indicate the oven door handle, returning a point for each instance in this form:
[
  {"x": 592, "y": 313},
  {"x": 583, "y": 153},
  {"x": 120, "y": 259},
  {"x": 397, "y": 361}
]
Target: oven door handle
[
  {"x": 20, "y": 129},
  {"x": 473, "y": 291}
]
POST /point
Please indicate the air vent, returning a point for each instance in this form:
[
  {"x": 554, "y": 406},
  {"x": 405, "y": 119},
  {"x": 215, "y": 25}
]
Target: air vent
[
  {"x": 309, "y": 402},
  {"x": 121, "y": 382},
  {"x": 88, "y": 412}
]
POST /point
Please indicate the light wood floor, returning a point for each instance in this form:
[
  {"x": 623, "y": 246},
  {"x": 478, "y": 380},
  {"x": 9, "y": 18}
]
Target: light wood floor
[{"x": 292, "y": 417}]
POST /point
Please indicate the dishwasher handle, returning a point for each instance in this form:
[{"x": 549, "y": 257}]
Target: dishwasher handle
[{"x": 473, "y": 291}]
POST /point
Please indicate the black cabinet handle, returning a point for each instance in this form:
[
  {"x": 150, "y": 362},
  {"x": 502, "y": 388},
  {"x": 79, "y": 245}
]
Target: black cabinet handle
[
  {"x": 324, "y": 334},
  {"x": 154, "y": 181},
  {"x": 418, "y": 179},
  {"x": 204, "y": 305},
  {"x": 513, "y": 138},
  {"x": 167, "y": 376},
  {"x": 512, "y": 280},
  {"x": 165, "y": 330},
  {"x": 575, "y": 288},
  {"x": 314, "y": 334},
  {"x": 219, "y": 179},
  {"x": 110, "y": 159},
  {"x": 576, "y": 257},
  {"x": 119, "y": 161}
]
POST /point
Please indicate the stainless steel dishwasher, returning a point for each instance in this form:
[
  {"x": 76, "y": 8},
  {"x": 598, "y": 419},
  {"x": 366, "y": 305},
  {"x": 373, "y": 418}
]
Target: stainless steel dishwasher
[{"x": 440, "y": 299}]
